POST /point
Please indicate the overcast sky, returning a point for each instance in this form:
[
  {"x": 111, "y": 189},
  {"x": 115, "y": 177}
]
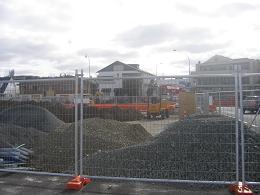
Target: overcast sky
[{"x": 49, "y": 37}]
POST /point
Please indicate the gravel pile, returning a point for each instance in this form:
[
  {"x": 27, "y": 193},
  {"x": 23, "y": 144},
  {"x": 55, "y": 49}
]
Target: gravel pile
[
  {"x": 30, "y": 116},
  {"x": 13, "y": 135},
  {"x": 56, "y": 152},
  {"x": 199, "y": 148},
  {"x": 67, "y": 115},
  {"x": 114, "y": 113}
]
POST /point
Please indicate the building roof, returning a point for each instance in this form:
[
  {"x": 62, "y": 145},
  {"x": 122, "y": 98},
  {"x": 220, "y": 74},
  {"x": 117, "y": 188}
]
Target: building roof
[
  {"x": 128, "y": 67},
  {"x": 217, "y": 58}
]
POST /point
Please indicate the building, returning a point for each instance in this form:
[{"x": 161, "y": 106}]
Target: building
[
  {"x": 53, "y": 86},
  {"x": 223, "y": 65},
  {"x": 9, "y": 87},
  {"x": 120, "y": 79}
]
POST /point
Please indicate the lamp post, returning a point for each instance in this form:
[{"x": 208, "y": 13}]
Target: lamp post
[
  {"x": 86, "y": 56},
  {"x": 187, "y": 58}
]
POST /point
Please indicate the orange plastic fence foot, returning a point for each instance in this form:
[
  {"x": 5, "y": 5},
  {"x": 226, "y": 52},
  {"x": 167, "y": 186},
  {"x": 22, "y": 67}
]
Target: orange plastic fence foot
[
  {"x": 77, "y": 183},
  {"x": 240, "y": 189}
]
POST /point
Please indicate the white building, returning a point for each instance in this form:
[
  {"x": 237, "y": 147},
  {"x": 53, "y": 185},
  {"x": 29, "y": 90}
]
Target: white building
[
  {"x": 223, "y": 65},
  {"x": 120, "y": 79}
]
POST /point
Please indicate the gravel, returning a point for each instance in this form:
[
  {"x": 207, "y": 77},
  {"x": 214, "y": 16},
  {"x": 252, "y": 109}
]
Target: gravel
[
  {"x": 30, "y": 116},
  {"x": 13, "y": 135},
  {"x": 56, "y": 152},
  {"x": 199, "y": 148}
]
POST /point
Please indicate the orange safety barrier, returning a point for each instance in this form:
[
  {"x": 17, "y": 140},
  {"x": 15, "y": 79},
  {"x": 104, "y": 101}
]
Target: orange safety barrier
[{"x": 138, "y": 106}]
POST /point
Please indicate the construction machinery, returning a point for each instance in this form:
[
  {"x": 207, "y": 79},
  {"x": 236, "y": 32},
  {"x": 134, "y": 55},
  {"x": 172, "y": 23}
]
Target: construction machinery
[
  {"x": 159, "y": 106},
  {"x": 158, "y": 101}
]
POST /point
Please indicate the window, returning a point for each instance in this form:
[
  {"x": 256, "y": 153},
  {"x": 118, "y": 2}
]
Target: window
[{"x": 34, "y": 87}]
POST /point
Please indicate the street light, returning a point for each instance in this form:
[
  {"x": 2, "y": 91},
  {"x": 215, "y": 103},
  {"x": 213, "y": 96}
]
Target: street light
[
  {"x": 187, "y": 58},
  {"x": 86, "y": 56}
]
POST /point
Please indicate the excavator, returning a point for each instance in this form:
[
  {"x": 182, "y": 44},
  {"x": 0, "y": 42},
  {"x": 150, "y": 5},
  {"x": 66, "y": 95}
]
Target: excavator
[{"x": 158, "y": 103}]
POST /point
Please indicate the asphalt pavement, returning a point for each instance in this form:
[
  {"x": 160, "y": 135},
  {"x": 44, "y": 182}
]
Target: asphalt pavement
[
  {"x": 248, "y": 117},
  {"x": 19, "y": 184}
]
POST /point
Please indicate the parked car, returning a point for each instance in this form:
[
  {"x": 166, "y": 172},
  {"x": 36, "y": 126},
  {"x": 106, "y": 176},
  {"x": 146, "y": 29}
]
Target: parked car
[{"x": 251, "y": 103}]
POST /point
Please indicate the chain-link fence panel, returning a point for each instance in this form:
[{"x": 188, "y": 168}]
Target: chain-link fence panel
[
  {"x": 37, "y": 131},
  {"x": 250, "y": 117},
  {"x": 159, "y": 128}
]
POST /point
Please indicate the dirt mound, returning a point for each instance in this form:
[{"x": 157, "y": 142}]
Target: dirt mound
[
  {"x": 192, "y": 149},
  {"x": 30, "y": 116},
  {"x": 12, "y": 135},
  {"x": 68, "y": 114},
  {"x": 56, "y": 152}
]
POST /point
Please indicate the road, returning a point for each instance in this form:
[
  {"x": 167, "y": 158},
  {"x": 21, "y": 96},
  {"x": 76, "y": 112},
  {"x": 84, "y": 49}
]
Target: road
[
  {"x": 248, "y": 117},
  {"x": 155, "y": 126}
]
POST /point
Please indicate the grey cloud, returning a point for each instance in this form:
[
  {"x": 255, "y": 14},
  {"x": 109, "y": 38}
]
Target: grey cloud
[
  {"x": 107, "y": 54},
  {"x": 257, "y": 27},
  {"x": 3, "y": 11},
  {"x": 156, "y": 34},
  {"x": 202, "y": 47},
  {"x": 234, "y": 9},
  {"x": 146, "y": 35},
  {"x": 194, "y": 34},
  {"x": 187, "y": 9},
  {"x": 230, "y": 9},
  {"x": 29, "y": 19},
  {"x": 191, "y": 47},
  {"x": 23, "y": 48}
]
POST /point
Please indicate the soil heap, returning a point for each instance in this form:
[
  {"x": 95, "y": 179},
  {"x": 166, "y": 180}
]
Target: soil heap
[
  {"x": 199, "y": 148},
  {"x": 56, "y": 152}
]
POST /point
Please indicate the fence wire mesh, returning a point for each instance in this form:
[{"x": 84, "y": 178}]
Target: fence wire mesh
[
  {"x": 250, "y": 109},
  {"x": 160, "y": 129},
  {"x": 147, "y": 127},
  {"x": 34, "y": 116}
]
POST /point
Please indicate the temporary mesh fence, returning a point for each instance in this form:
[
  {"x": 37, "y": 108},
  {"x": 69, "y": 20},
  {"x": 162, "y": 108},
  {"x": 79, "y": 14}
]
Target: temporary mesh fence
[
  {"x": 249, "y": 108},
  {"x": 178, "y": 128},
  {"x": 35, "y": 113},
  {"x": 180, "y": 135}
]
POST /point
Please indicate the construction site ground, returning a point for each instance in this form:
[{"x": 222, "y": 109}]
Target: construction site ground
[
  {"x": 157, "y": 125},
  {"x": 14, "y": 184}
]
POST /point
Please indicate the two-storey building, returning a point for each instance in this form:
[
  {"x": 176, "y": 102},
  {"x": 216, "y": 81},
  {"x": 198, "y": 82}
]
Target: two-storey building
[
  {"x": 120, "y": 79},
  {"x": 224, "y": 65}
]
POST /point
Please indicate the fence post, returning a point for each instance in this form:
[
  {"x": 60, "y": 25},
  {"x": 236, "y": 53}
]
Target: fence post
[
  {"x": 237, "y": 119},
  {"x": 76, "y": 122},
  {"x": 219, "y": 102},
  {"x": 242, "y": 127},
  {"x": 81, "y": 123}
]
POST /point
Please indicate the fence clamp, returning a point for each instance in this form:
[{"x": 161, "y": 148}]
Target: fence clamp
[
  {"x": 240, "y": 189},
  {"x": 78, "y": 182}
]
